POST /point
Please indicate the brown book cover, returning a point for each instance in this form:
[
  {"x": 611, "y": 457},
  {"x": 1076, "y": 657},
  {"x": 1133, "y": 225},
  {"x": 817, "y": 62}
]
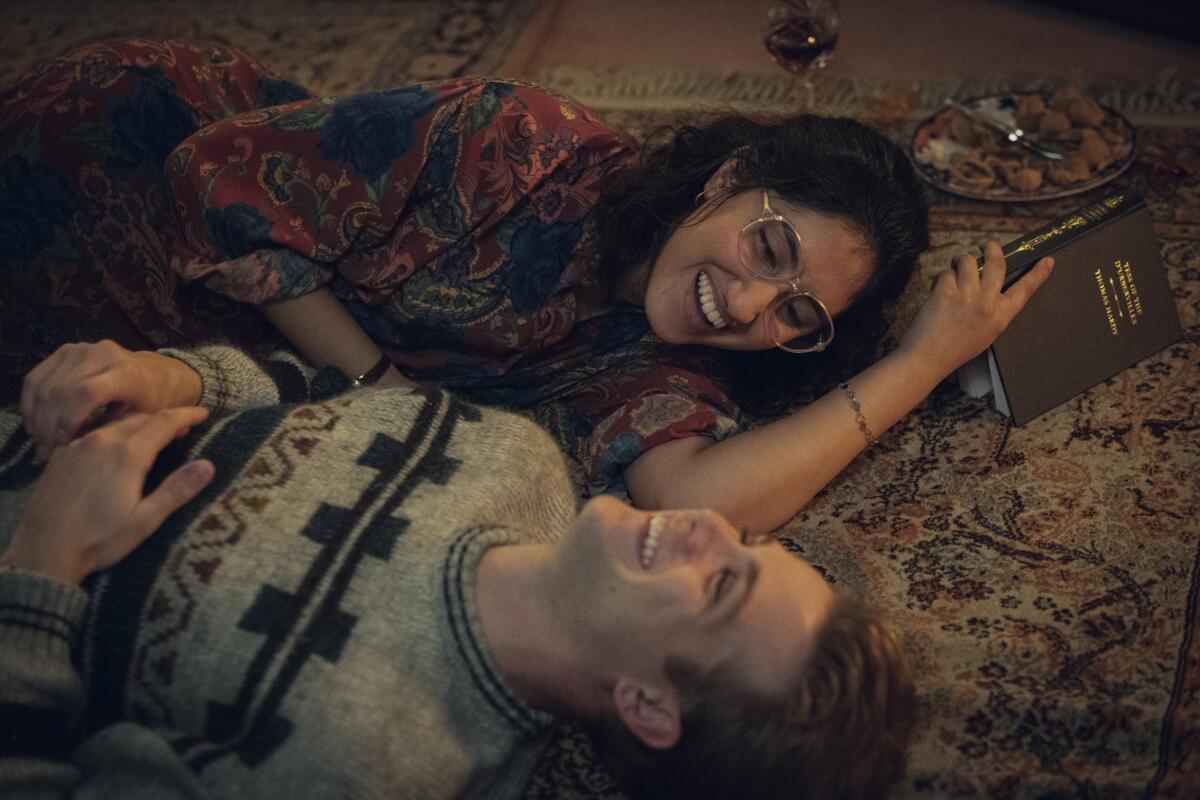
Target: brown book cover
[{"x": 1106, "y": 306}]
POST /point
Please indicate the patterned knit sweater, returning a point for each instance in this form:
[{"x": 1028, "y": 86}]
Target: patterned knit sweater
[{"x": 304, "y": 628}]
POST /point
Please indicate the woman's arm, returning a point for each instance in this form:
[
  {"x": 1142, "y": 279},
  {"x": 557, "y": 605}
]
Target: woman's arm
[
  {"x": 323, "y": 331},
  {"x": 762, "y": 478}
]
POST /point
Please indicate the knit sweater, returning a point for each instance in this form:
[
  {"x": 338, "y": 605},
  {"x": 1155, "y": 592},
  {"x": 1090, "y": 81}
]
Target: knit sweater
[{"x": 306, "y": 627}]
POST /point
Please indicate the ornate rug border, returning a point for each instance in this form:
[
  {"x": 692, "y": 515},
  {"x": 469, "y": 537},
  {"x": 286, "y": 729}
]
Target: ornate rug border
[{"x": 1166, "y": 100}]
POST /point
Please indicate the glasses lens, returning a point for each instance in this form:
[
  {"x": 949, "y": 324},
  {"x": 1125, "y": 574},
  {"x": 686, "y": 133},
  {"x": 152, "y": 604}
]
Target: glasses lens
[
  {"x": 801, "y": 324},
  {"x": 770, "y": 248}
]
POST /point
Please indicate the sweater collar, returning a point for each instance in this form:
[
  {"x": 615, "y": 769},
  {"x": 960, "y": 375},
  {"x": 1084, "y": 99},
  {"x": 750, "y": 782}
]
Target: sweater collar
[{"x": 459, "y": 584}]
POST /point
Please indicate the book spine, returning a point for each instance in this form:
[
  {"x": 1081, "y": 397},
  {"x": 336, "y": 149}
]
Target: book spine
[{"x": 1021, "y": 254}]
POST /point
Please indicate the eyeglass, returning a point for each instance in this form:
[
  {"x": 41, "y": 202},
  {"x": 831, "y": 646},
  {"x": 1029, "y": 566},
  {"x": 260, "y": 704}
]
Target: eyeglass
[{"x": 770, "y": 249}]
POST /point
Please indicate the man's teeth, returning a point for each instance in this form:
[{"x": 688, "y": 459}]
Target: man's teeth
[
  {"x": 650, "y": 546},
  {"x": 705, "y": 290}
]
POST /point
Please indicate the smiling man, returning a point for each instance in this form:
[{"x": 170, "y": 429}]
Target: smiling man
[{"x": 388, "y": 593}]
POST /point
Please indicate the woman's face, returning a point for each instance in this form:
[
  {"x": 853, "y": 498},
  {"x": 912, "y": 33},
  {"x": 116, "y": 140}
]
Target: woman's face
[{"x": 700, "y": 258}]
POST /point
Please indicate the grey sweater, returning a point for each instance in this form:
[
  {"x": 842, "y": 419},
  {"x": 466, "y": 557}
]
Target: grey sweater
[{"x": 306, "y": 627}]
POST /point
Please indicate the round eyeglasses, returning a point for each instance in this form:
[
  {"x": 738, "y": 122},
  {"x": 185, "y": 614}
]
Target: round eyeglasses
[{"x": 769, "y": 248}]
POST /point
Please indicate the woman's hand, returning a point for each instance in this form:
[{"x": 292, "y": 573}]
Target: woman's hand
[
  {"x": 81, "y": 383},
  {"x": 88, "y": 511},
  {"x": 968, "y": 310}
]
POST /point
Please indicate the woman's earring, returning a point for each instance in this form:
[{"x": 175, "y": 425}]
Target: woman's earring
[{"x": 701, "y": 198}]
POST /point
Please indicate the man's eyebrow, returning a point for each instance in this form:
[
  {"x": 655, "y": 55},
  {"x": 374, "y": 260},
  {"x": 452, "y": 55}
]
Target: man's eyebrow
[{"x": 734, "y": 608}]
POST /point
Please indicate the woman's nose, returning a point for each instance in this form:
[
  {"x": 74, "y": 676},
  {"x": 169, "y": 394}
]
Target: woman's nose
[{"x": 749, "y": 298}]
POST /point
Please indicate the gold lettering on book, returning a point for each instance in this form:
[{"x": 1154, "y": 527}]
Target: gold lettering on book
[
  {"x": 1068, "y": 224},
  {"x": 1133, "y": 301},
  {"x": 1108, "y": 312},
  {"x": 1091, "y": 213},
  {"x": 1098, "y": 211}
]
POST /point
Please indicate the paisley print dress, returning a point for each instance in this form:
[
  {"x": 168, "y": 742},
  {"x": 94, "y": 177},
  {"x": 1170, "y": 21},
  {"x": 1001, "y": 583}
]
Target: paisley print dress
[{"x": 154, "y": 192}]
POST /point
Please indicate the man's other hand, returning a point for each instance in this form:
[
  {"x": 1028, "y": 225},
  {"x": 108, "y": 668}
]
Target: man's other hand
[
  {"x": 82, "y": 384},
  {"x": 87, "y": 511}
]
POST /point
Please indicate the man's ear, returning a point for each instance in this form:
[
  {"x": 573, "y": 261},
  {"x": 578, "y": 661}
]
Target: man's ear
[
  {"x": 722, "y": 178},
  {"x": 651, "y": 714}
]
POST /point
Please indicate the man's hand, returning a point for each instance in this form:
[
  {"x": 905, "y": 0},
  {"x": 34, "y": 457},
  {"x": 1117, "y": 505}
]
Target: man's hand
[
  {"x": 87, "y": 511},
  {"x": 80, "y": 383},
  {"x": 969, "y": 309}
]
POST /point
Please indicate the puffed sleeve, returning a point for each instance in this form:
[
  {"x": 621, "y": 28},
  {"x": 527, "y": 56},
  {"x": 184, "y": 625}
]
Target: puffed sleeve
[
  {"x": 659, "y": 403},
  {"x": 271, "y": 202}
]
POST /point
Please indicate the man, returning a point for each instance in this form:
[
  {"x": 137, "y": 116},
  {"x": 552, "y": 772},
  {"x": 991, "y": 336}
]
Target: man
[{"x": 387, "y": 593}]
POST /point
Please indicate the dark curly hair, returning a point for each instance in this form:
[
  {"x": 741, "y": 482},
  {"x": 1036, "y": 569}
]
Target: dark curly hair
[{"x": 831, "y": 165}]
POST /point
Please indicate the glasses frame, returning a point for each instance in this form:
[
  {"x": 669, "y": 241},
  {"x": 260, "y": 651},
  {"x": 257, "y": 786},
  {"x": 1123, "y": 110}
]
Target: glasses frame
[{"x": 793, "y": 283}]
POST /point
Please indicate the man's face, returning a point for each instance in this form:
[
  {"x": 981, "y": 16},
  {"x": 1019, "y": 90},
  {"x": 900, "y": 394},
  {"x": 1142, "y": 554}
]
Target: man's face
[{"x": 645, "y": 586}]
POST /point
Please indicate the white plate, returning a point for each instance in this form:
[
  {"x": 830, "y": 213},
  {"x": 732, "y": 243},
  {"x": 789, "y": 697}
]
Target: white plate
[{"x": 931, "y": 149}]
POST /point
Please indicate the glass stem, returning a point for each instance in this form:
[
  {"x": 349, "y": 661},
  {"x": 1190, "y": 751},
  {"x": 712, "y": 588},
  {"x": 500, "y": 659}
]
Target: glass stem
[{"x": 810, "y": 92}]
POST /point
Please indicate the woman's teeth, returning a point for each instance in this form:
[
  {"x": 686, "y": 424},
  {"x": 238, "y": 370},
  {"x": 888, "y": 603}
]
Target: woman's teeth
[
  {"x": 707, "y": 304},
  {"x": 650, "y": 546}
]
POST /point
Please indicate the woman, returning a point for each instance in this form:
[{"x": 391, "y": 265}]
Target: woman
[{"x": 493, "y": 238}]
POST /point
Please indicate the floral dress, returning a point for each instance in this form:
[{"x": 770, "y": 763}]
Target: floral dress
[{"x": 153, "y": 192}]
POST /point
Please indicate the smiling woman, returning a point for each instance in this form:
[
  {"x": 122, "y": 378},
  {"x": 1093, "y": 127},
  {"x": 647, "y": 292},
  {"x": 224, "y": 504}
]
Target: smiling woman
[{"x": 491, "y": 237}]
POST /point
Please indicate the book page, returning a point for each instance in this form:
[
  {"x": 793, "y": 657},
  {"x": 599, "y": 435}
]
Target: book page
[
  {"x": 999, "y": 399},
  {"x": 973, "y": 377}
]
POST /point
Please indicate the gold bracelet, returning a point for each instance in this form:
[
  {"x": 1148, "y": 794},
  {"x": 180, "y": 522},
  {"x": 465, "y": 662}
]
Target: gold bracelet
[{"x": 863, "y": 425}]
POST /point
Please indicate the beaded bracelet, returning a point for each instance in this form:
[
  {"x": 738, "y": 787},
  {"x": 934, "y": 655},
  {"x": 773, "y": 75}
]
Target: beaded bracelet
[{"x": 863, "y": 425}]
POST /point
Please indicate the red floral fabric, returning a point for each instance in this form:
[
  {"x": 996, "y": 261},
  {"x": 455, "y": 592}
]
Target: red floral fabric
[
  {"x": 176, "y": 185},
  {"x": 85, "y": 220}
]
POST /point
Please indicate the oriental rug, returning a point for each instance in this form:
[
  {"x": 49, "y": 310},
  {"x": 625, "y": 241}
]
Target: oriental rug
[{"x": 329, "y": 46}]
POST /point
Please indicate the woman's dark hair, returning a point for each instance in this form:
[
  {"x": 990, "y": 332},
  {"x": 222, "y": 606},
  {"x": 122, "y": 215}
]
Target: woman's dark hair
[{"x": 831, "y": 165}]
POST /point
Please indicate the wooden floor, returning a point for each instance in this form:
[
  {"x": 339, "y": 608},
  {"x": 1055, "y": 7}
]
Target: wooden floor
[{"x": 898, "y": 39}]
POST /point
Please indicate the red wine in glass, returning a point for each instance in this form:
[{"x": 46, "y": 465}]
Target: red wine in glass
[
  {"x": 798, "y": 44},
  {"x": 800, "y": 36}
]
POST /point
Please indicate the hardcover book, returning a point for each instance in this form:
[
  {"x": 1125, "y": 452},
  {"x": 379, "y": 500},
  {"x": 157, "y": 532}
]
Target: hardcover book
[{"x": 1106, "y": 306}]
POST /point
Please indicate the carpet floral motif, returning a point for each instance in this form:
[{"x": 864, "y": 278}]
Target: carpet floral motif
[{"x": 330, "y": 46}]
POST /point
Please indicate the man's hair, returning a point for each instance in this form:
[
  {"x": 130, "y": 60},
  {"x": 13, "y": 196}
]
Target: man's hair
[
  {"x": 840, "y": 732},
  {"x": 832, "y": 165}
]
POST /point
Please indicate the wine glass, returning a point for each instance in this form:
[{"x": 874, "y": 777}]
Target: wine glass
[{"x": 800, "y": 36}]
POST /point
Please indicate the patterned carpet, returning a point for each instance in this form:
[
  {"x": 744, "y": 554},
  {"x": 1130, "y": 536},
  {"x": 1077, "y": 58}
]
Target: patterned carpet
[
  {"x": 1046, "y": 577},
  {"x": 329, "y": 46}
]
